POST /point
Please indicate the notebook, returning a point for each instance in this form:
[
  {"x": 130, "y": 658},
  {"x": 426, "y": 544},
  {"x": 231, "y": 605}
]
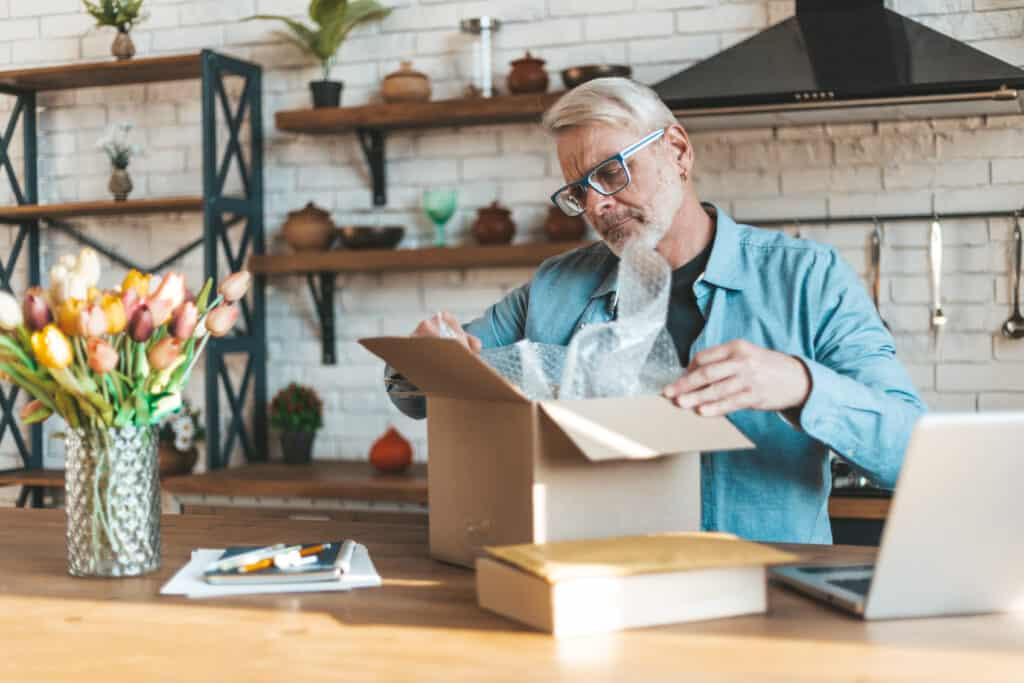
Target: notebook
[{"x": 304, "y": 562}]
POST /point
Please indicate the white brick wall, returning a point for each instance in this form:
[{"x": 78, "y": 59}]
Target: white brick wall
[{"x": 965, "y": 164}]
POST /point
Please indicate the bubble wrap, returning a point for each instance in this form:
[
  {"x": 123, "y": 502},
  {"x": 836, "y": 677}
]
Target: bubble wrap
[{"x": 631, "y": 355}]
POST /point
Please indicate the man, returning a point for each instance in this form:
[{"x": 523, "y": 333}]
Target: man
[{"x": 776, "y": 333}]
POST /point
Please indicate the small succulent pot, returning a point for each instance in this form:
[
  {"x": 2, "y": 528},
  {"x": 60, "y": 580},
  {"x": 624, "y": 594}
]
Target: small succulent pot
[
  {"x": 527, "y": 75},
  {"x": 405, "y": 85},
  {"x": 122, "y": 47},
  {"x": 309, "y": 229},
  {"x": 175, "y": 463},
  {"x": 326, "y": 93},
  {"x": 561, "y": 228},
  {"x": 493, "y": 225},
  {"x": 120, "y": 184}
]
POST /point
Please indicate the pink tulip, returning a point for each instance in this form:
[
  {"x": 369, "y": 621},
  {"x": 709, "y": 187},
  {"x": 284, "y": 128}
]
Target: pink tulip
[
  {"x": 235, "y": 286},
  {"x": 92, "y": 321},
  {"x": 35, "y": 310},
  {"x": 161, "y": 311},
  {"x": 140, "y": 325},
  {"x": 171, "y": 290},
  {"x": 131, "y": 300},
  {"x": 102, "y": 356},
  {"x": 220, "y": 320},
  {"x": 183, "y": 322},
  {"x": 164, "y": 353}
]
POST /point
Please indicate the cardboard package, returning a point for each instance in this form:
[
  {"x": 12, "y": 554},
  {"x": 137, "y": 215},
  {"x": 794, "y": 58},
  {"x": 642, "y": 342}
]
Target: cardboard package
[
  {"x": 583, "y": 587},
  {"x": 506, "y": 470}
]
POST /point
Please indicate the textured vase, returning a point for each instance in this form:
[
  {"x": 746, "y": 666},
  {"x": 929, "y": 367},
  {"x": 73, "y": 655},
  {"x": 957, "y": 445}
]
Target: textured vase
[
  {"x": 112, "y": 492},
  {"x": 120, "y": 184},
  {"x": 122, "y": 47}
]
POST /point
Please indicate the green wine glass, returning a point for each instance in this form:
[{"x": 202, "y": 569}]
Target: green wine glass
[{"x": 439, "y": 205}]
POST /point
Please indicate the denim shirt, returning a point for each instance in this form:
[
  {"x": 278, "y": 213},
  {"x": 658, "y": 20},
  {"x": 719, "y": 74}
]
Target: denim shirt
[{"x": 790, "y": 295}]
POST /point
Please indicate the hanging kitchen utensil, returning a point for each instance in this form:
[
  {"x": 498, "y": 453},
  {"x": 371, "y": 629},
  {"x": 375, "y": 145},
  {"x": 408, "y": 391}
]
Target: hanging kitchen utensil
[
  {"x": 876, "y": 264},
  {"x": 935, "y": 253},
  {"x": 1014, "y": 325}
]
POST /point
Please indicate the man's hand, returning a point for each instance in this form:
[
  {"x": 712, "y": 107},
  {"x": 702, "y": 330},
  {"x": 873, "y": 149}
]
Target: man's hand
[
  {"x": 444, "y": 324},
  {"x": 741, "y": 376}
]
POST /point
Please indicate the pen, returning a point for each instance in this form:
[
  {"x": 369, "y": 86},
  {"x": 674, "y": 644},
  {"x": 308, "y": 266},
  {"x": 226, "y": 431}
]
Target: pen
[
  {"x": 229, "y": 563},
  {"x": 284, "y": 559}
]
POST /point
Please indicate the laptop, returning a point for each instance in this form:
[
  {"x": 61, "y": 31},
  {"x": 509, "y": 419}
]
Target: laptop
[{"x": 954, "y": 539}]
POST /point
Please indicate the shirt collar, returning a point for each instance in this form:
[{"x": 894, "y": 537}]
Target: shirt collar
[{"x": 723, "y": 264}]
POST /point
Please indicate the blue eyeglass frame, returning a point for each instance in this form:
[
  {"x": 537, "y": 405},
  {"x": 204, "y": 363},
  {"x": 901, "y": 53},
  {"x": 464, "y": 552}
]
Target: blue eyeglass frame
[{"x": 621, "y": 156}]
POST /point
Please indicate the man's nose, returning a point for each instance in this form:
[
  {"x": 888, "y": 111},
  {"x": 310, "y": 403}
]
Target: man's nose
[{"x": 598, "y": 204}]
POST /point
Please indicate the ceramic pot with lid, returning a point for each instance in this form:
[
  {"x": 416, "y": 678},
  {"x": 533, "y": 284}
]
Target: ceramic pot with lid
[
  {"x": 493, "y": 225},
  {"x": 527, "y": 75},
  {"x": 561, "y": 228},
  {"x": 309, "y": 228},
  {"x": 405, "y": 85}
]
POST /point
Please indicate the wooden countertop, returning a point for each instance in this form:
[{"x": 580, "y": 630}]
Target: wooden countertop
[
  {"x": 319, "y": 479},
  {"x": 423, "y": 624}
]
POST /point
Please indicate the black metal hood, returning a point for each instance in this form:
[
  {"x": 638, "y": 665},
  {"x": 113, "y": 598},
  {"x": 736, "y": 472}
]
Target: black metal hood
[{"x": 842, "y": 60}]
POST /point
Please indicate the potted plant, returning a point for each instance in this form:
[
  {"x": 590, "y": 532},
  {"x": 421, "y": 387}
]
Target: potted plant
[
  {"x": 112, "y": 363},
  {"x": 179, "y": 434},
  {"x": 333, "y": 20},
  {"x": 120, "y": 152},
  {"x": 297, "y": 411},
  {"x": 122, "y": 15}
]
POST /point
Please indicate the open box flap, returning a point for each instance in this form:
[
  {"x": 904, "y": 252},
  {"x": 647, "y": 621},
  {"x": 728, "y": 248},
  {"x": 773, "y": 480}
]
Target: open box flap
[
  {"x": 637, "y": 427},
  {"x": 443, "y": 367}
]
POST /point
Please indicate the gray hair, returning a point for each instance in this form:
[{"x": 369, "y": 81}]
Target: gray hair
[{"x": 614, "y": 101}]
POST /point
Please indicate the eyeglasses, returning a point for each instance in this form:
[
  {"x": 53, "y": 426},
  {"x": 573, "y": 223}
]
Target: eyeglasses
[{"x": 607, "y": 178}]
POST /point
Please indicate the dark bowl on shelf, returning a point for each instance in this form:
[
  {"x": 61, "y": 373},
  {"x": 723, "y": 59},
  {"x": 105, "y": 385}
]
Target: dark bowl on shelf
[
  {"x": 575, "y": 75},
  {"x": 370, "y": 236}
]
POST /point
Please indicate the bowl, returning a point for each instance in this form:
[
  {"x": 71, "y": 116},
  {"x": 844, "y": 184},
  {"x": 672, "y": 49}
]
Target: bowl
[
  {"x": 370, "y": 236},
  {"x": 575, "y": 75}
]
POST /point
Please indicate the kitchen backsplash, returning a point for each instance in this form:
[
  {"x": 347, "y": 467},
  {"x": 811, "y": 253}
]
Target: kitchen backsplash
[{"x": 971, "y": 164}]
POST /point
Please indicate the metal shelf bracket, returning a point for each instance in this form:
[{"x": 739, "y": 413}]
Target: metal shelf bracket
[
  {"x": 372, "y": 142},
  {"x": 323, "y": 298}
]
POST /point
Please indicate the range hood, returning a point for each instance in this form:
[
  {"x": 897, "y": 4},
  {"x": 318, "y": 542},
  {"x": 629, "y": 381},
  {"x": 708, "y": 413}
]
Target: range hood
[{"x": 842, "y": 61}]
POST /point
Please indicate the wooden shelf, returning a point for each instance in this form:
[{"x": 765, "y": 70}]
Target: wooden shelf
[
  {"x": 33, "y": 477},
  {"x": 337, "y": 480},
  {"x": 433, "y": 258},
  {"x": 438, "y": 114},
  {"x": 109, "y": 72},
  {"x": 106, "y": 207},
  {"x": 853, "y": 507}
]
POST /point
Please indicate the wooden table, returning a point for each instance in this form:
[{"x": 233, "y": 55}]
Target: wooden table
[
  {"x": 423, "y": 624},
  {"x": 338, "y": 489}
]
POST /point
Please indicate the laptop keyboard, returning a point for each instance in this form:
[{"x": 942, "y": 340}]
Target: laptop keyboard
[{"x": 858, "y": 586}]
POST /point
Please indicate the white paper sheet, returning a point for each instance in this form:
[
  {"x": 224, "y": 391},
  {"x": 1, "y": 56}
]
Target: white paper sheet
[{"x": 189, "y": 579}]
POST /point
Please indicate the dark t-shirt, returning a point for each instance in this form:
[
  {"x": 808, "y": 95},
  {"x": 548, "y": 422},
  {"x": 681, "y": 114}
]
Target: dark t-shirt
[{"x": 685, "y": 321}]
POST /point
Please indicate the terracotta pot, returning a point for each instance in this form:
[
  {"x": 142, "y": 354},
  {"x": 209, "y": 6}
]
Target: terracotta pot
[
  {"x": 561, "y": 228},
  {"x": 174, "y": 463},
  {"x": 405, "y": 85},
  {"x": 391, "y": 452},
  {"x": 527, "y": 75},
  {"x": 122, "y": 47},
  {"x": 309, "y": 229},
  {"x": 120, "y": 184},
  {"x": 493, "y": 225}
]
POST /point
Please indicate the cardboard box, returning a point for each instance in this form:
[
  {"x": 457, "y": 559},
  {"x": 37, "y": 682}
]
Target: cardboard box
[{"x": 505, "y": 470}]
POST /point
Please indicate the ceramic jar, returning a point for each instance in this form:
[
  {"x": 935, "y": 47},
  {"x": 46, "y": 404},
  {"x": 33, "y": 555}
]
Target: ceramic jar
[
  {"x": 309, "y": 229},
  {"x": 493, "y": 225},
  {"x": 405, "y": 85},
  {"x": 122, "y": 48},
  {"x": 120, "y": 184},
  {"x": 561, "y": 228},
  {"x": 527, "y": 75}
]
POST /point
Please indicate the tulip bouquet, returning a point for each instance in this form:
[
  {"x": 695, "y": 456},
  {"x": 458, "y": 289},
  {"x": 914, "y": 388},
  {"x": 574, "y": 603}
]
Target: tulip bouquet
[{"x": 109, "y": 358}]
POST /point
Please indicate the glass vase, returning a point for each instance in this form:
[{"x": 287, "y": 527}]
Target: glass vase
[{"x": 112, "y": 491}]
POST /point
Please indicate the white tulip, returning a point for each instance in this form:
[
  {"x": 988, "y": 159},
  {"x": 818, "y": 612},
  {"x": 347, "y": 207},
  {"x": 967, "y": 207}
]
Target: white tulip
[
  {"x": 72, "y": 287},
  {"x": 58, "y": 274},
  {"x": 88, "y": 266},
  {"x": 68, "y": 261},
  {"x": 10, "y": 312}
]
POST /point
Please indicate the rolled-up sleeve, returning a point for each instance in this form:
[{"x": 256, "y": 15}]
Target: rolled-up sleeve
[
  {"x": 502, "y": 324},
  {"x": 862, "y": 403}
]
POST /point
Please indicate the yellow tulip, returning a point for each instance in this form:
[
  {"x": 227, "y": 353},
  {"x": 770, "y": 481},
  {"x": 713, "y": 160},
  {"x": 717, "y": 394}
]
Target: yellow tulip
[
  {"x": 67, "y": 315},
  {"x": 137, "y": 281},
  {"x": 52, "y": 348},
  {"x": 116, "y": 317}
]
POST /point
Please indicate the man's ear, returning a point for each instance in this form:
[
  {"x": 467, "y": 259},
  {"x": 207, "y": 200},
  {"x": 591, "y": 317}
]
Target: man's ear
[{"x": 681, "y": 150}]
